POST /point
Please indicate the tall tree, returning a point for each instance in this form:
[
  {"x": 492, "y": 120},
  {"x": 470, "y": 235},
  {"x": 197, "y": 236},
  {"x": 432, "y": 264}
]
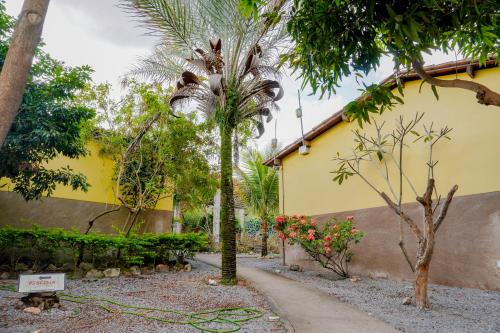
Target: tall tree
[
  {"x": 228, "y": 66},
  {"x": 17, "y": 63},
  {"x": 334, "y": 39},
  {"x": 156, "y": 153},
  {"x": 49, "y": 122},
  {"x": 259, "y": 189}
]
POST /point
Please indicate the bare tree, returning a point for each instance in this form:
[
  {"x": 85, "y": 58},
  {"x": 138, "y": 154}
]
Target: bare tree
[
  {"x": 17, "y": 65},
  {"x": 386, "y": 151}
]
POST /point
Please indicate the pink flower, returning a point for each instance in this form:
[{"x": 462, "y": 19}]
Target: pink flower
[
  {"x": 336, "y": 235},
  {"x": 281, "y": 235},
  {"x": 328, "y": 238},
  {"x": 349, "y": 217},
  {"x": 310, "y": 234},
  {"x": 293, "y": 234},
  {"x": 354, "y": 231},
  {"x": 334, "y": 226},
  {"x": 279, "y": 219},
  {"x": 303, "y": 221},
  {"x": 295, "y": 216},
  {"x": 328, "y": 249},
  {"x": 312, "y": 222}
]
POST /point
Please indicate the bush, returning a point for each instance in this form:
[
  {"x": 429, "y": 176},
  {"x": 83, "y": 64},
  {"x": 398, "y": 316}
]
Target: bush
[
  {"x": 39, "y": 247},
  {"x": 330, "y": 245},
  {"x": 253, "y": 227}
]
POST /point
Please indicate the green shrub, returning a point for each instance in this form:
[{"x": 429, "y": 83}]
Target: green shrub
[
  {"x": 329, "y": 245},
  {"x": 253, "y": 226},
  {"x": 39, "y": 247}
]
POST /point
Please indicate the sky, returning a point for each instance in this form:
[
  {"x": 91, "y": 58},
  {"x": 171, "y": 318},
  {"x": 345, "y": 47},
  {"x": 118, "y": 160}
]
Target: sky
[{"x": 99, "y": 34}]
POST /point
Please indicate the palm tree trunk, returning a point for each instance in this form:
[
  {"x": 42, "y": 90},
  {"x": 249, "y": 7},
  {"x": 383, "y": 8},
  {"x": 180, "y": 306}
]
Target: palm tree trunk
[
  {"x": 227, "y": 217},
  {"x": 17, "y": 65},
  {"x": 263, "y": 252}
]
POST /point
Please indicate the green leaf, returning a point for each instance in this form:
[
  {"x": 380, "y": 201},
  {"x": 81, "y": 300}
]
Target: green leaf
[{"x": 434, "y": 90}]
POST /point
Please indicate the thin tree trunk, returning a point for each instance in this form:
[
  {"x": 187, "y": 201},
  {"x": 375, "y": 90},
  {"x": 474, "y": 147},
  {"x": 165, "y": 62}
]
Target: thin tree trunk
[
  {"x": 227, "y": 217},
  {"x": 263, "y": 252},
  {"x": 283, "y": 247},
  {"x": 421, "y": 283},
  {"x": 17, "y": 65},
  {"x": 133, "y": 223}
]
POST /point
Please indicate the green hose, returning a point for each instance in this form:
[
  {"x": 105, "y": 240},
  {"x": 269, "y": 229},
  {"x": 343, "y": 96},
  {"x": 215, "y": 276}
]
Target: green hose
[{"x": 228, "y": 319}]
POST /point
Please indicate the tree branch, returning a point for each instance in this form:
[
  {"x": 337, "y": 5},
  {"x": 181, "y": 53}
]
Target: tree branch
[
  {"x": 483, "y": 94},
  {"x": 92, "y": 220},
  {"x": 403, "y": 215},
  {"x": 444, "y": 209}
]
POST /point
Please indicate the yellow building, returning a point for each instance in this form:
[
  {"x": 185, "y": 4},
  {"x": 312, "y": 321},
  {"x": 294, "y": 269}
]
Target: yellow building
[
  {"x": 467, "y": 251},
  {"x": 68, "y": 208}
]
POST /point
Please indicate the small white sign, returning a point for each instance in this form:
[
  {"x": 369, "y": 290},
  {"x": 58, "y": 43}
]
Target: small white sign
[{"x": 33, "y": 283}]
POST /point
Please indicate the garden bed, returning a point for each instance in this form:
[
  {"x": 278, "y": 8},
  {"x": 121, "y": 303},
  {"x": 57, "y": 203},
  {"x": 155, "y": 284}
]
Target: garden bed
[
  {"x": 453, "y": 309},
  {"x": 184, "y": 291}
]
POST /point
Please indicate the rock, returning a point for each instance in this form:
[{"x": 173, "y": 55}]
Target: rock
[
  {"x": 37, "y": 331},
  {"x": 33, "y": 310},
  {"x": 274, "y": 318},
  {"x": 5, "y": 276},
  {"x": 277, "y": 271},
  {"x": 94, "y": 274},
  {"x": 147, "y": 270},
  {"x": 67, "y": 266},
  {"x": 162, "y": 268},
  {"x": 296, "y": 268},
  {"x": 89, "y": 280},
  {"x": 51, "y": 268},
  {"x": 85, "y": 266},
  {"x": 407, "y": 301},
  {"x": 212, "y": 282},
  {"x": 355, "y": 279},
  {"x": 20, "y": 267},
  {"x": 187, "y": 267},
  {"x": 135, "y": 271},
  {"x": 43, "y": 300},
  {"x": 380, "y": 275},
  {"x": 111, "y": 272},
  {"x": 77, "y": 274}
]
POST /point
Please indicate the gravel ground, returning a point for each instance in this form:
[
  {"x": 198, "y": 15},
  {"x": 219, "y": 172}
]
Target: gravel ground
[
  {"x": 186, "y": 291},
  {"x": 453, "y": 309}
]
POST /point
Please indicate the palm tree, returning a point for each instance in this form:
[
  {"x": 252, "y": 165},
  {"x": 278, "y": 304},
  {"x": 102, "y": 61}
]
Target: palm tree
[
  {"x": 227, "y": 65},
  {"x": 259, "y": 189}
]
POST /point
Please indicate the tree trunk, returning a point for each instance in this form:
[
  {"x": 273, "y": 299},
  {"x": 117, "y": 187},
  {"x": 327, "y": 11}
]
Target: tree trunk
[
  {"x": 263, "y": 252},
  {"x": 17, "y": 65},
  {"x": 421, "y": 282},
  {"x": 227, "y": 217}
]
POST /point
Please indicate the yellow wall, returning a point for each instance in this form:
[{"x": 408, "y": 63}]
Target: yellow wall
[
  {"x": 471, "y": 159},
  {"x": 99, "y": 171}
]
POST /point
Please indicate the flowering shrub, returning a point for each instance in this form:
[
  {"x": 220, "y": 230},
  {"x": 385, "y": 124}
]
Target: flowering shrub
[{"x": 329, "y": 245}]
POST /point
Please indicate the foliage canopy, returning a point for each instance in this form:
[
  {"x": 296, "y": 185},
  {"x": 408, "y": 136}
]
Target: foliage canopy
[{"x": 48, "y": 124}]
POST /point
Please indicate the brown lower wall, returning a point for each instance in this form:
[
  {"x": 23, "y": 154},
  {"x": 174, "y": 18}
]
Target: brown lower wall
[
  {"x": 466, "y": 252},
  {"x": 67, "y": 213}
]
